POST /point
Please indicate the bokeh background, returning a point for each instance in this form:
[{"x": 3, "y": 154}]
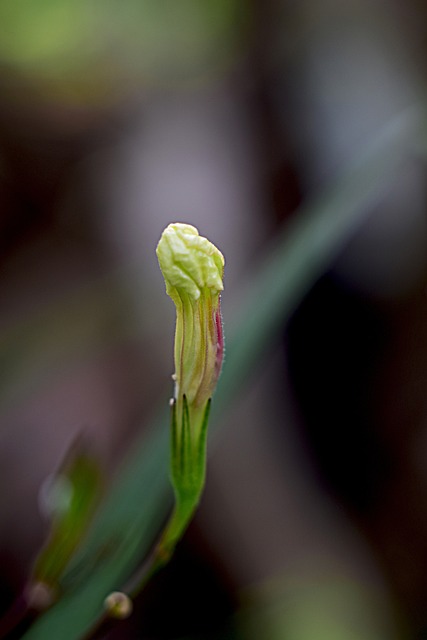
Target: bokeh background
[{"x": 117, "y": 118}]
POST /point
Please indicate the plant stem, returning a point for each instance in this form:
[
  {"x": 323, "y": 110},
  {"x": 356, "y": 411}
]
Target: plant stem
[{"x": 174, "y": 530}]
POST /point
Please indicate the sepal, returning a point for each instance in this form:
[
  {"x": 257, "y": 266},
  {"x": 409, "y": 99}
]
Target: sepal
[{"x": 188, "y": 449}]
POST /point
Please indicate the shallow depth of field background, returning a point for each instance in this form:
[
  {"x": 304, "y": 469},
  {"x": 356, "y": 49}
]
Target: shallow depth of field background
[{"x": 117, "y": 118}]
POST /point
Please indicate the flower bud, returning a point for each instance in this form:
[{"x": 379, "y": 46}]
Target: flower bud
[{"x": 193, "y": 270}]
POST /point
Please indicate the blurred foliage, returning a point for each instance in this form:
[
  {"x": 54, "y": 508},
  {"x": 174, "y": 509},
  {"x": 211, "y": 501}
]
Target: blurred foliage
[
  {"x": 85, "y": 49},
  {"x": 324, "y": 607},
  {"x": 70, "y": 497}
]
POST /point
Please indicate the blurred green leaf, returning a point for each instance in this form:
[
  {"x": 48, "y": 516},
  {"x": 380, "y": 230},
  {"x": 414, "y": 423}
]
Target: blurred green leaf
[
  {"x": 134, "y": 510},
  {"x": 322, "y": 607},
  {"x": 86, "y": 48},
  {"x": 71, "y": 497}
]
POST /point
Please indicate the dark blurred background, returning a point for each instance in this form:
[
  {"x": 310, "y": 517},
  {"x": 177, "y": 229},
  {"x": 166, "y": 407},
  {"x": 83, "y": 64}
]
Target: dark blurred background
[{"x": 117, "y": 118}]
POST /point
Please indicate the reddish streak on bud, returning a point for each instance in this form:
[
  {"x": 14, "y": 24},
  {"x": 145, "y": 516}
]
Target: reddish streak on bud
[{"x": 219, "y": 341}]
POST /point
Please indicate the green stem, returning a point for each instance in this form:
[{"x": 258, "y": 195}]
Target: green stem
[
  {"x": 174, "y": 530},
  {"x": 188, "y": 466}
]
